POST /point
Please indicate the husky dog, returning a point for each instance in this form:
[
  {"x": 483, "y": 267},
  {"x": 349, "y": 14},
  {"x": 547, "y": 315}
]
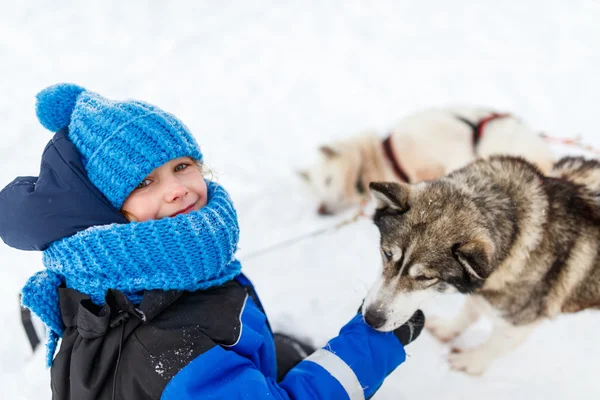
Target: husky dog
[
  {"x": 524, "y": 246},
  {"x": 422, "y": 146}
]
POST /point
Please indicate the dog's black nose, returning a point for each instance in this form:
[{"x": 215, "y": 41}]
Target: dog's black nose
[
  {"x": 375, "y": 318},
  {"x": 323, "y": 210}
]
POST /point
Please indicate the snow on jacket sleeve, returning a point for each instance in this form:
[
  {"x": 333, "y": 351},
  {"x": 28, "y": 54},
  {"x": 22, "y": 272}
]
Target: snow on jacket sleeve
[{"x": 351, "y": 366}]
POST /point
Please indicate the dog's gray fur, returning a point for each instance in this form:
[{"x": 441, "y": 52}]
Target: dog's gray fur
[{"x": 524, "y": 244}]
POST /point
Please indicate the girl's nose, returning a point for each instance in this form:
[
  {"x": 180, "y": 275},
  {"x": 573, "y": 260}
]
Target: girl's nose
[{"x": 175, "y": 191}]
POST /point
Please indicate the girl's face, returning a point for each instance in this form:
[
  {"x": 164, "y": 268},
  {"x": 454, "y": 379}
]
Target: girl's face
[{"x": 176, "y": 187}]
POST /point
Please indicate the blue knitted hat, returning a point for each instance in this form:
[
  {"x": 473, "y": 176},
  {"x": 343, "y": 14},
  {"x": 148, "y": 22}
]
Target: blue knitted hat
[{"x": 120, "y": 142}]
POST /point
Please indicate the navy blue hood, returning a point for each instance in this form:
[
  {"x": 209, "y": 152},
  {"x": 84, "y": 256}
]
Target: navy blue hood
[{"x": 36, "y": 211}]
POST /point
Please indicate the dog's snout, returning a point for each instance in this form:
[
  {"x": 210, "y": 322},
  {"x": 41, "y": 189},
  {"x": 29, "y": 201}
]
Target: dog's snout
[
  {"x": 323, "y": 210},
  {"x": 375, "y": 318}
]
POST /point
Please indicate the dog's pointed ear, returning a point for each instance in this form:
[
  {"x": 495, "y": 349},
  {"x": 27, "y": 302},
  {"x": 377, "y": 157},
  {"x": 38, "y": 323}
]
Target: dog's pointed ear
[
  {"x": 329, "y": 151},
  {"x": 475, "y": 257},
  {"x": 390, "y": 195},
  {"x": 302, "y": 173}
]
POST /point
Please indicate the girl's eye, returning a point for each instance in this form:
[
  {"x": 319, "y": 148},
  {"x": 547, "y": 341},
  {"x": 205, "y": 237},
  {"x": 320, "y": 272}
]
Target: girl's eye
[
  {"x": 180, "y": 167},
  {"x": 143, "y": 184}
]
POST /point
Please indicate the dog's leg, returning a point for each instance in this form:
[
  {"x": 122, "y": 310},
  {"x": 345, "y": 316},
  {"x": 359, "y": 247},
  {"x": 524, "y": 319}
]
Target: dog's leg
[
  {"x": 504, "y": 338},
  {"x": 448, "y": 329}
]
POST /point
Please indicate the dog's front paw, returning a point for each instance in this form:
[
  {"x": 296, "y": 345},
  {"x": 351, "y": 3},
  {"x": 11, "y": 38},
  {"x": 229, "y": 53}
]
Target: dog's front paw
[
  {"x": 442, "y": 329},
  {"x": 473, "y": 362}
]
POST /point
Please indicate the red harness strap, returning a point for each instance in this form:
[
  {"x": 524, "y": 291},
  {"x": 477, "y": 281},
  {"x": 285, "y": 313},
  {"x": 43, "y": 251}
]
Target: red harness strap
[
  {"x": 478, "y": 130},
  {"x": 389, "y": 152}
]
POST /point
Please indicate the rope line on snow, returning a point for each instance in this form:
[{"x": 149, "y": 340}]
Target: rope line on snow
[
  {"x": 292, "y": 241},
  {"x": 572, "y": 142}
]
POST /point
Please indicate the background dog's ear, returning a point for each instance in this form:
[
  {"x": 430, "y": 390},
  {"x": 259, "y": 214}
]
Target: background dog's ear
[
  {"x": 390, "y": 195},
  {"x": 302, "y": 173},
  {"x": 475, "y": 257},
  {"x": 329, "y": 151}
]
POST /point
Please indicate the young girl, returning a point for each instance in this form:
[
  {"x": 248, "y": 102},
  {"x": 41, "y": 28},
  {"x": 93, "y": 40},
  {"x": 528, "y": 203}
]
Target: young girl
[{"x": 141, "y": 280}]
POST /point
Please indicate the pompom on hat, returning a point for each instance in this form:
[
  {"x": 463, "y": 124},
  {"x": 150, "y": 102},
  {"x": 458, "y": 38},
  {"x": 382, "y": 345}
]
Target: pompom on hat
[{"x": 120, "y": 142}]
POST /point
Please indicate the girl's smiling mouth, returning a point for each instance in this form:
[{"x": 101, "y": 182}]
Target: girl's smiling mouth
[{"x": 185, "y": 210}]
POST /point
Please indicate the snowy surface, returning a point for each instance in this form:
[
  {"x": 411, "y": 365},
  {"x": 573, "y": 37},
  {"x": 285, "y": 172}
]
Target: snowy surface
[{"x": 261, "y": 84}]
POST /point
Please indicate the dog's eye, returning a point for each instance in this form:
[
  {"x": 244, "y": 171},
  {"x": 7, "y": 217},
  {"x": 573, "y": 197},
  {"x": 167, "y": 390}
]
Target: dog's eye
[
  {"x": 422, "y": 278},
  {"x": 388, "y": 255},
  {"x": 426, "y": 279},
  {"x": 360, "y": 188}
]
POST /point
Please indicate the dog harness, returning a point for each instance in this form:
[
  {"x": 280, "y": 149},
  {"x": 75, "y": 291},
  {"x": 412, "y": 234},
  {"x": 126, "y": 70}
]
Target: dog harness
[
  {"x": 389, "y": 153},
  {"x": 476, "y": 138},
  {"x": 478, "y": 128}
]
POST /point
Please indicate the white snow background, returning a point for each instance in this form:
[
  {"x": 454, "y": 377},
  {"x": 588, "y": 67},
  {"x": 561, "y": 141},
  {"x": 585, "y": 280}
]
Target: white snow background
[{"x": 261, "y": 84}]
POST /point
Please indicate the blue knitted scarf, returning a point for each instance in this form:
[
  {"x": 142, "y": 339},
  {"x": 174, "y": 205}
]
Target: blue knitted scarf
[{"x": 187, "y": 252}]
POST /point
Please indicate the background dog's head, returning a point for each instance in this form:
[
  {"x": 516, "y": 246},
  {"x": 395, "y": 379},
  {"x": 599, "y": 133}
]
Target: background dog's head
[
  {"x": 336, "y": 179},
  {"x": 433, "y": 240}
]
